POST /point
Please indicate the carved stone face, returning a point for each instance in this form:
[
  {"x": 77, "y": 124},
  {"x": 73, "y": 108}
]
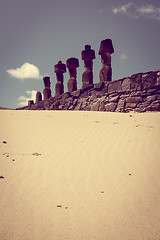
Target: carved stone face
[
  {"x": 59, "y": 75},
  {"x": 72, "y": 63},
  {"x": 106, "y": 58},
  {"x": 88, "y": 64},
  {"x": 38, "y": 97},
  {"x": 60, "y": 67},
  {"x": 106, "y": 45},
  {"x": 72, "y": 72},
  {"x": 88, "y": 54},
  {"x": 47, "y": 82}
]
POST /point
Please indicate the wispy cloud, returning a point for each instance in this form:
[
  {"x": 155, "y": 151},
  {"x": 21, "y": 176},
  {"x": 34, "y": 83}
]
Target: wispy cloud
[
  {"x": 27, "y": 70},
  {"x": 136, "y": 11},
  {"x": 23, "y": 100},
  {"x": 123, "y": 57},
  {"x": 101, "y": 10},
  {"x": 122, "y": 9}
]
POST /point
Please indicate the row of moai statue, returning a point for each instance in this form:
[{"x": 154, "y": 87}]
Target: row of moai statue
[{"x": 88, "y": 55}]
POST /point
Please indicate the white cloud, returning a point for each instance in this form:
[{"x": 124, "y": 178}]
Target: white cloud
[
  {"x": 23, "y": 100},
  {"x": 134, "y": 11},
  {"x": 27, "y": 70},
  {"x": 123, "y": 57},
  {"x": 149, "y": 11},
  {"x": 146, "y": 9},
  {"x": 122, "y": 9},
  {"x": 101, "y": 10}
]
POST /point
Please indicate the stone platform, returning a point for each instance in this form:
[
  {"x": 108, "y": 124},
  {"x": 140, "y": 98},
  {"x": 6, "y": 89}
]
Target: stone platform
[{"x": 139, "y": 92}]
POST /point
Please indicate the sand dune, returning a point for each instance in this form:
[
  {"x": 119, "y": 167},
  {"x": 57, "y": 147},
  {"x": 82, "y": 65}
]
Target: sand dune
[{"x": 79, "y": 175}]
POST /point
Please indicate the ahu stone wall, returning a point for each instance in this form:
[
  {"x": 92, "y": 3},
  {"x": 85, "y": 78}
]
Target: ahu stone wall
[{"x": 139, "y": 92}]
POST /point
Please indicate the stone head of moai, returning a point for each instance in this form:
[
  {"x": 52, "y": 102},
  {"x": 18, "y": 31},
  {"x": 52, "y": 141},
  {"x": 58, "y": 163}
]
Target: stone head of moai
[
  {"x": 38, "y": 97},
  {"x": 59, "y": 69},
  {"x": 72, "y": 65},
  {"x": 46, "y": 90},
  {"x": 87, "y": 56},
  {"x": 47, "y": 82},
  {"x": 105, "y": 50},
  {"x": 30, "y": 103}
]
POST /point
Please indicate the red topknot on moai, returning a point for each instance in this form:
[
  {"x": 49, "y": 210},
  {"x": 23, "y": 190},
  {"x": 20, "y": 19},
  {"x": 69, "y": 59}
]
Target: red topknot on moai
[
  {"x": 87, "y": 55},
  {"x": 59, "y": 69},
  {"x": 106, "y": 49},
  {"x": 72, "y": 64},
  {"x": 47, "y": 89}
]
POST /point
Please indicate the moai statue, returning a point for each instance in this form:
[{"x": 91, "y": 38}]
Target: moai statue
[
  {"x": 47, "y": 89},
  {"x": 87, "y": 55},
  {"x": 106, "y": 49},
  {"x": 59, "y": 69},
  {"x": 72, "y": 64},
  {"x": 38, "y": 97},
  {"x": 30, "y": 103}
]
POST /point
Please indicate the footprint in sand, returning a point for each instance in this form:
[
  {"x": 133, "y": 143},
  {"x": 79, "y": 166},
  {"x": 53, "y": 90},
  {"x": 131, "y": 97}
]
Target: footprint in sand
[
  {"x": 7, "y": 154},
  {"x": 36, "y": 154},
  {"x": 1, "y": 177},
  {"x": 139, "y": 125},
  {"x": 4, "y": 142},
  {"x": 60, "y": 206}
]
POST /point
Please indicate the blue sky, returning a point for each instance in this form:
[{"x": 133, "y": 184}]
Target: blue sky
[{"x": 36, "y": 34}]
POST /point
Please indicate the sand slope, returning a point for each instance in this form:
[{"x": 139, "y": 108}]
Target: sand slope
[{"x": 79, "y": 175}]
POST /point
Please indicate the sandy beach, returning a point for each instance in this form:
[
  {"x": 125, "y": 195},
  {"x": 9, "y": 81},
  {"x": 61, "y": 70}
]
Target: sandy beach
[{"x": 68, "y": 175}]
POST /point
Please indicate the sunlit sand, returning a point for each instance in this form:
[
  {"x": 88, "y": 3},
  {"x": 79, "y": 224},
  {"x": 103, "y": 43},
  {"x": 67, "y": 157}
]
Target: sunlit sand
[{"x": 79, "y": 175}]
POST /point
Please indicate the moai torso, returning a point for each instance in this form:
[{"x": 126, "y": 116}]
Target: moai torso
[
  {"x": 38, "y": 97},
  {"x": 59, "y": 69},
  {"x": 87, "y": 55},
  {"x": 106, "y": 49},
  {"x": 72, "y": 65},
  {"x": 47, "y": 89}
]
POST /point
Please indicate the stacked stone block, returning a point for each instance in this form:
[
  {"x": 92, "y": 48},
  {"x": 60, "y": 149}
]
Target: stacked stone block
[{"x": 139, "y": 92}]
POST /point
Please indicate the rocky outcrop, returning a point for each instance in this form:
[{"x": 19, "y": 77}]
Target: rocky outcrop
[{"x": 139, "y": 92}]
